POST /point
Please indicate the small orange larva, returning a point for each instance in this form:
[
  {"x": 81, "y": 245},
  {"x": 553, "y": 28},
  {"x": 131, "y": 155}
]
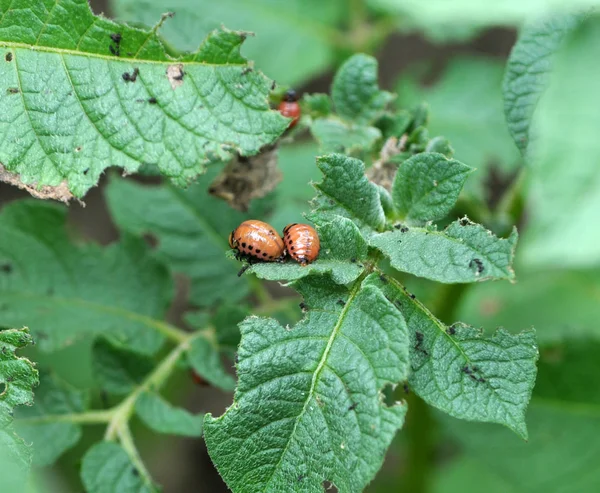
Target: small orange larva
[
  {"x": 302, "y": 242},
  {"x": 258, "y": 240}
]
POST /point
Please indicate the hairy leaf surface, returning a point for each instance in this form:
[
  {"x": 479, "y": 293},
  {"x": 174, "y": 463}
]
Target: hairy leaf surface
[
  {"x": 465, "y": 375},
  {"x": 463, "y": 252},
  {"x": 81, "y": 93},
  {"x": 308, "y": 407}
]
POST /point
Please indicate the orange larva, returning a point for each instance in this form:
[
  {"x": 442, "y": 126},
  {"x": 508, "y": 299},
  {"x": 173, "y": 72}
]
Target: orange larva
[
  {"x": 257, "y": 240},
  {"x": 301, "y": 242}
]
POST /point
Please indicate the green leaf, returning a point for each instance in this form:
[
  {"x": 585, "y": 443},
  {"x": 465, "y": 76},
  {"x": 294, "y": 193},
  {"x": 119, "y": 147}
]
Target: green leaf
[
  {"x": 346, "y": 191},
  {"x": 308, "y": 407},
  {"x": 427, "y": 186},
  {"x": 66, "y": 291},
  {"x": 463, "y": 252},
  {"x": 106, "y": 468},
  {"x": 469, "y": 115},
  {"x": 162, "y": 417},
  {"x": 461, "y": 373},
  {"x": 528, "y": 71},
  {"x": 355, "y": 92},
  {"x": 564, "y": 183},
  {"x": 562, "y": 450},
  {"x": 559, "y": 303},
  {"x": 51, "y": 438},
  {"x": 475, "y": 14},
  {"x": 316, "y": 105},
  {"x": 118, "y": 370},
  {"x": 334, "y": 135},
  {"x": 82, "y": 93},
  {"x": 191, "y": 228},
  {"x": 303, "y": 30},
  {"x": 17, "y": 379},
  {"x": 203, "y": 356},
  {"x": 342, "y": 251}
]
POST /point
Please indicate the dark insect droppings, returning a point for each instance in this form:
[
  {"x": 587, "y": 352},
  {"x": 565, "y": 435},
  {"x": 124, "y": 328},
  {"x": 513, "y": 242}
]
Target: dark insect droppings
[
  {"x": 341, "y": 302},
  {"x": 152, "y": 101},
  {"x": 131, "y": 77},
  {"x": 8, "y": 57},
  {"x": 13, "y": 90},
  {"x": 116, "y": 37},
  {"x": 6, "y": 268}
]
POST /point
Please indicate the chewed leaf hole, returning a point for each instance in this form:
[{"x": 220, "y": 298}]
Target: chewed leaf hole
[
  {"x": 387, "y": 394},
  {"x": 329, "y": 487}
]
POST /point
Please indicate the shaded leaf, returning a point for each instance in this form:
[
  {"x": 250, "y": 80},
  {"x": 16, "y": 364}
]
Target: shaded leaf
[
  {"x": 463, "y": 374},
  {"x": 303, "y": 30},
  {"x": 191, "y": 229},
  {"x": 95, "y": 93},
  {"x": 162, "y": 417},
  {"x": 427, "y": 186},
  {"x": 315, "y": 395},
  {"x": 528, "y": 71},
  {"x": 463, "y": 252},
  {"x": 563, "y": 187},
  {"x": 51, "y": 438},
  {"x": 203, "y": 356},
  {"x": 106, "y": 468},
  {"x": 66, "y": 291},
  {"x": 118, "y": 370}
]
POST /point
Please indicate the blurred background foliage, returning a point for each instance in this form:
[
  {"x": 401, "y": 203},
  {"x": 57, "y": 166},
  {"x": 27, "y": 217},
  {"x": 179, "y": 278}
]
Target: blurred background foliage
[{"x": 451, "y": 55}]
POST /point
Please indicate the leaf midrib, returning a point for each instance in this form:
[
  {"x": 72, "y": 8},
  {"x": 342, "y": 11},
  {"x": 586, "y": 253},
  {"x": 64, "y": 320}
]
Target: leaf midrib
[
  {"x": 64, "y": 51},
  {"x": 317, "y": 373}
]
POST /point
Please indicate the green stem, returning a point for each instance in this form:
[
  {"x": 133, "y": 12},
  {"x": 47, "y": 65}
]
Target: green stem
[
  {"x": 419, "y": 433},
  {"x": 122, "y": 413},
  {"x": 90, "y": 417},
  {"x": 128, "y": 445}
]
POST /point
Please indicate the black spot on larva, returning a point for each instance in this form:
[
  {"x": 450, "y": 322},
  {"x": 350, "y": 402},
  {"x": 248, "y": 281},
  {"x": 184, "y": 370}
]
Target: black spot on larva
[
  {"x": 257, "y": 250},
  {"x": 6, "y": 268},
  {"x": 271, "y": 257},
  {"x": 293, "y": 248},
  {"x": 244, "y": 245},
  {"x": 152, "y": 101},
  {"x": 250, "y": 247},
  {"x": 8, "y": 57},
  {"x": 131, "y": 77},
  {"x": 264, "y": 254}
]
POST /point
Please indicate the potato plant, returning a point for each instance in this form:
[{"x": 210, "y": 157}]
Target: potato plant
[{"x": 356, "y": 358}]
